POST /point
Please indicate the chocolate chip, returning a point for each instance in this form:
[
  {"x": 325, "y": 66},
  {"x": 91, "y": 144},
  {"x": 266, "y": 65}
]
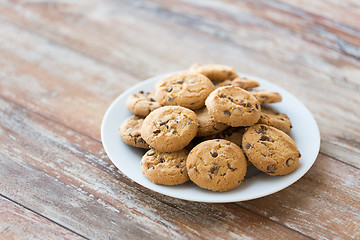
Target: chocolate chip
[
  {"x": 170, "y": 99},
  {"x": 262, "y": 130},
  {"x": 210, "y": 176},
  {"x": 231, "y": 99},
  {"x": 161, "y": 123},
  {"x": 252, "y": 109},
  {"x": 180, "y": 82},
  {"x": 222, "y": 95},
  {"x": 214, "y": 154},
  {"x": 247, "y": 145},
  {"x": 299, "y": 155},
  {"x": 177, "y": 165},
  {"x": 214, "y": 168},
  {"x": 169, "y": 89},
  {"x": 289, "y": 162},
  {"x": 140, "y": 140},
  {"x": 257, "y": 106},
  {"x": 152, "y": 166},
  {"x": 264, "y": 138},
  {"x": 189, "y": 122},
  {"x": 161, "y": 160},
  {"x": 152, "y": 100},
  {"x": 263, "y": 155},
  {"x": 282, "y": 119},
  {"x": 142, "y": 92},
  {"x": 263, "y": 143},
  {"x": 157, "y": 131},
  {"x": 271, "y": 168},
  {"x": 229, "y": 166},
  {"x": 215, "y": 128},
  {"x": 248, "y": 104},
  {"x": 217, "y": 140},
  {"x": 227, "y": 112},
  {"x": 151, "y": 152},
  {"x": 223, "y": 174}
]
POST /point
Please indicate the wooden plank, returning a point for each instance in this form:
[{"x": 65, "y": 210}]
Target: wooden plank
[
  {"x": 16, "y": 222},
  {"x": 345, "y": 11},
  {"x": 246, "y": 37},
  {"x": 67, "y": 177},
  {"x": 324, "y": 204}
]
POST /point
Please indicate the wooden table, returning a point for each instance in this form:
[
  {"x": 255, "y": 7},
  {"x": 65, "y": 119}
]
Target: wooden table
[{"x": 62, "y": 64}]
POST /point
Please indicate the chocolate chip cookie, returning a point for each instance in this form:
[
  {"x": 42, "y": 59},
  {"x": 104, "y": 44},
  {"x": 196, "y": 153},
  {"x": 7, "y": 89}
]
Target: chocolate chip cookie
[
  {"x": 130, "y": 132},
  {"x": 186, "y": 89},
  {"x": 142, "y": 103},
  {"x": 165, "y": 168},
  {"x": 241, "y": 82},
  {"x": 233, "y": 106},
  {"x": 265, "y": 96},
  {"x": 215, "y": 72},
  {"x": 270, "y": 150},
  {"x": 275, "y": 119},
  {"x": 207, "y": 125},
  {"x": 169, "y": 128},
  {"x": 218, "y": 165}
]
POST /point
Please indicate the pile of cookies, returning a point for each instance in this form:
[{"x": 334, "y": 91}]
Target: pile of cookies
[{"x": 208, "y": 125}]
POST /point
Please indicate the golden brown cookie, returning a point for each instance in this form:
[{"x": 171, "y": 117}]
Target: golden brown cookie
[
  {"x": 130, "y": 132},
  {"x": 241, "y": 82},
  {"x": 141, "y": 103},
  {"x": 270, "y": 150},
  {"x": 265, "y": 96},
  {"x": 165, "y": 168},
  {"x": 215, "y": 72},
  {"x": 207, "y": 125},
  {"x": 233, "y": 106},
  {"x": 186, "y": 89},
  {"x": 169, "y": 128},
  {"x": 218, "y": 165},
  {"x": 275, "y": 119}
]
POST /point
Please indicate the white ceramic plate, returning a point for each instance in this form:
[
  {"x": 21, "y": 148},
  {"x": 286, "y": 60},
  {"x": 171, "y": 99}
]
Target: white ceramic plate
[{"x": 305, "y": 133}]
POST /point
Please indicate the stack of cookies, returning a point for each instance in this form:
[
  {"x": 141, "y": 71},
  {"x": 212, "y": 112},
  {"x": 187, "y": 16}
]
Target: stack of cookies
[{"x": 208, "y": 125}]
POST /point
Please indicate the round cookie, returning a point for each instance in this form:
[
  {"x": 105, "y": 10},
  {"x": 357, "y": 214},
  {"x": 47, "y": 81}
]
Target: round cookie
[
  {"x": 218, "y": 165},
  {"x": 275, "y": 119},
  {"x": 265, "y": 96},
  {"x": 233, "y": 106},
  {"x": 184, "y": 89},
  {"x": 130, "y": 132},
  {"x": 270, "y": 150},
  {"x": 241, "y": 82},
  {"x": 141, "y": 103},
  {"x": 165, "y": 168},
  {"x": 207, "y": 125},
  {"x": 169, "y": 128},
  {"x": 215, "y": 72}
]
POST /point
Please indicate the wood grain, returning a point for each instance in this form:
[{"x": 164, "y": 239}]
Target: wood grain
[
  {"x": 280, "y": 39},
  {"x": 63, "y": 62},
  {"x": 84, "y": 189},
  {"x": 20, "y": 223}
]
